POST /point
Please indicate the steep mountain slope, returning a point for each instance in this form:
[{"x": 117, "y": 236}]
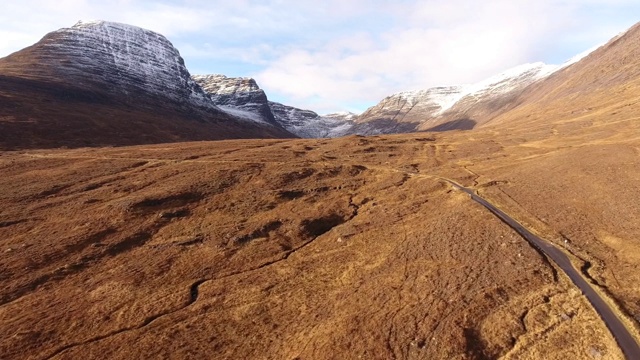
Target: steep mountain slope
[
  {"x": 237, "y": 96},
  {"x": 605, "y": 82},
  {"x": 454, "y": 107},
  {"x": 483, "y": 101},
  {"x": 243, "y": 97},
  {"x": 404, "y": 111},
  {"x": 104, "y": 83}
]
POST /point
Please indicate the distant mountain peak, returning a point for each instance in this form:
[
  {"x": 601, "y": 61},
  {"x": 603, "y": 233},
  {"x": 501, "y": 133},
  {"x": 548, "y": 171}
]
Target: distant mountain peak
[
  {"x": 241, "y": 96},
  {"x": 343, "y": 115},
  {"x": 238, "y": 96}
]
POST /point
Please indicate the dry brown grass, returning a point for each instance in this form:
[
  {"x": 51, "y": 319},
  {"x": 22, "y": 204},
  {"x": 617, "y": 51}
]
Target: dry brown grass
[{"x": 284, "y": 249}]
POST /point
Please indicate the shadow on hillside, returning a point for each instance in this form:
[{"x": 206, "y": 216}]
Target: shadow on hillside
[
  {"x": 383, "y": 126},
  {"x": 460, "y": 124}
]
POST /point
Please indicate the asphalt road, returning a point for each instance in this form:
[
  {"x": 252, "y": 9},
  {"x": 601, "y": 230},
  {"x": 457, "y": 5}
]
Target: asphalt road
[{"x": 626, "y": 341}]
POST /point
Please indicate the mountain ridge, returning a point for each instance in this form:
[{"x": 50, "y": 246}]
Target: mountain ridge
[
  {"x": 442, "y": 108},
  {"x": 606, "y": 78},
  {"x": 103, "y": 83},
  {"x": 142, "y": 71},
  {"x": 241, "y": 93},
  {"x": 244, "y": 97},
  {"x": 469, "y": 105}
]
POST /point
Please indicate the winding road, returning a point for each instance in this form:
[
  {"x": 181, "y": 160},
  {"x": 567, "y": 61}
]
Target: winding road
[{"x": 626, "y": 341}]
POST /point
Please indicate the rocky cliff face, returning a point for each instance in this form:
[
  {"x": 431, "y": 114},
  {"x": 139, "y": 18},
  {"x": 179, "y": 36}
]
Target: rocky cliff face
[
  {"x": 107, "y": 83},
  {"x": 243, "y": 97}
]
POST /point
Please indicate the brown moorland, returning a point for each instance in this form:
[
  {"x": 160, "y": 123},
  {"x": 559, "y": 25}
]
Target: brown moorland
[
  {"x": 316, "y": 248},
  {"x": 37, "y": 114}
]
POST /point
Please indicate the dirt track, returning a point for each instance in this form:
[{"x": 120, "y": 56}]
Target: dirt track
[{"x": 619, "y": 330}]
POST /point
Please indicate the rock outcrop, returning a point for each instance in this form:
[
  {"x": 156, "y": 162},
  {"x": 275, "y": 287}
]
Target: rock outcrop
[{"x": 243, "y": 97}]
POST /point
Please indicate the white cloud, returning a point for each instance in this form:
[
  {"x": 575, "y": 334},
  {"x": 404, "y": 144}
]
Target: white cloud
[
  {"x": 428, "y": 51},
  {"x": 330, "y": 55},
  {"x": 440, "y": 43}
]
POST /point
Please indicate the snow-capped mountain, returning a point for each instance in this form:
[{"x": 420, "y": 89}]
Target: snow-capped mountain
[
  {"x": 404, "y": 111},
  {"x": 101, "y": 63},
  {"x": 238, "y": 96},
  {"x": 480, "y": 102},
  {"x": 128, "y": 59},
  {"x": 428, "y": 109},
  {"x": 308, "y": 124},
  {"x": 342, "y": 115},
  {"x": 243, "y": 97},
  {"x": 455, "y": 107}
]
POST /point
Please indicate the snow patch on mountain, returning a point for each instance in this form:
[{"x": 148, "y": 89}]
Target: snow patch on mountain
[
  {"x": 246, "y": 115},
  {"x": 240, "y": 93},
  {"x": 512, "y": 78},
  {"x": 342, "y": 115},
  {"x": 442, "y": 97},
  {"x": 308, "y": 124},
  {"x": 128, "y": 58},
  {"x": 243, "y": 97}
]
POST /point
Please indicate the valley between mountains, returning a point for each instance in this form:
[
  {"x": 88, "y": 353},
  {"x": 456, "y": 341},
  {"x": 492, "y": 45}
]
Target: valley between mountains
[{"x": 127, "y": 232}]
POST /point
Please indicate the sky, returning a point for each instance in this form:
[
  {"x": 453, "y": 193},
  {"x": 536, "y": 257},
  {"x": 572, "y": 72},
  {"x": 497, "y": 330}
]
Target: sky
[{"x": 344, "y": 55}]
